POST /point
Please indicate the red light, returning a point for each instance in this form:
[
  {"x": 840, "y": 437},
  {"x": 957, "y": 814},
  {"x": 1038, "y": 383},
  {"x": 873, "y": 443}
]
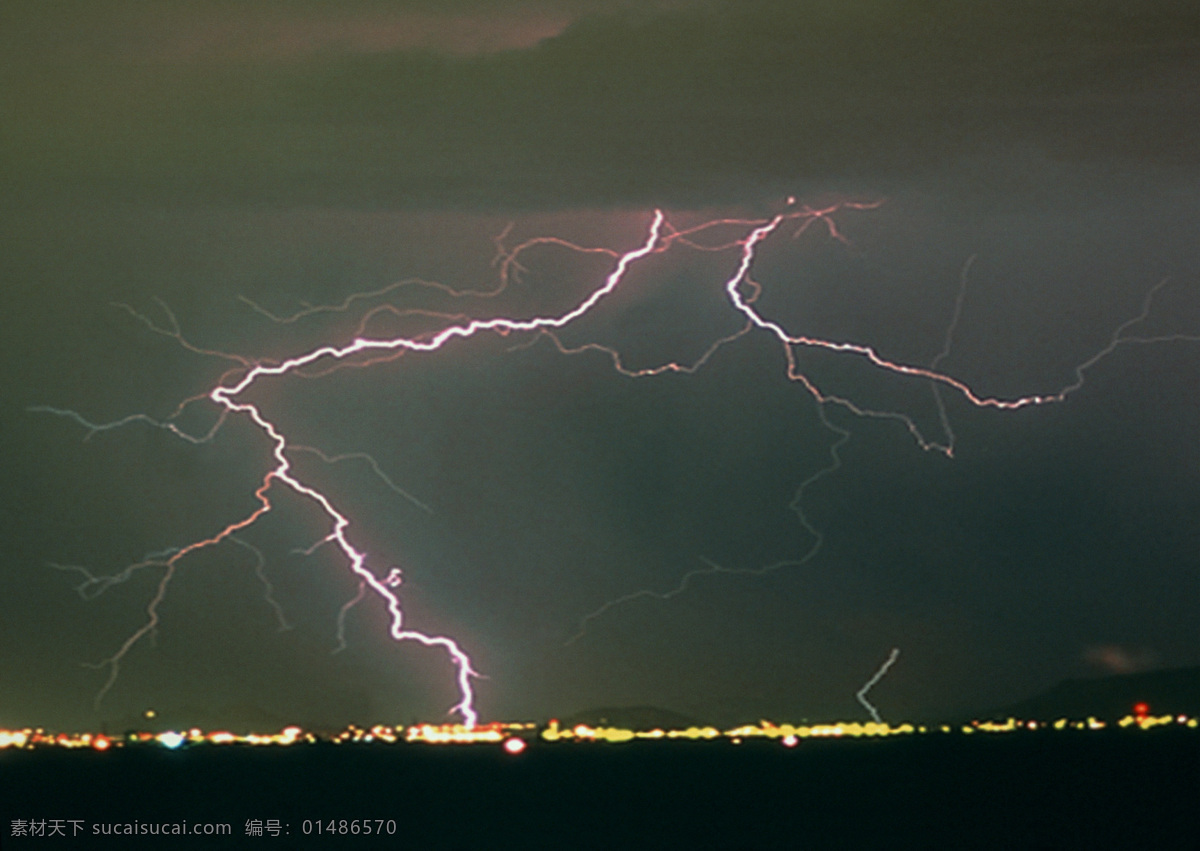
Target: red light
[{"x": 1141, "y": 710}]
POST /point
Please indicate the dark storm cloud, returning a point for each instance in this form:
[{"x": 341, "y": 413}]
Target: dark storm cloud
[
  {"x": 223, "y": 30},
  {"x": 622, "y": 107}
]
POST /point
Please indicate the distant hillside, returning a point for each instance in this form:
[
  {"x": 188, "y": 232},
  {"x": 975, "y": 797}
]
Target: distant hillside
[
  {"x": 1170, "y": 692},
  {"x": 631, "y": 718}
]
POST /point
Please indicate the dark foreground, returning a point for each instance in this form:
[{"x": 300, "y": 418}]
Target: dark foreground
[{"x": 1108, "y": 789}]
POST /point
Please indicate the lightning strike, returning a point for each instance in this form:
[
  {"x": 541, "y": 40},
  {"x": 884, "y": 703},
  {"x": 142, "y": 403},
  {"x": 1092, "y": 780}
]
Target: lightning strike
[
  {"x": 742, "y": 292},
  {"x": 861, "y": 694},
  {"x": 226, "y": 397}
]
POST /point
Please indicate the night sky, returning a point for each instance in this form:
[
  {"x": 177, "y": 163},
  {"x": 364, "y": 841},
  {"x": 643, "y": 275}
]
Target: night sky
[{"x": 1039, "y": 160}]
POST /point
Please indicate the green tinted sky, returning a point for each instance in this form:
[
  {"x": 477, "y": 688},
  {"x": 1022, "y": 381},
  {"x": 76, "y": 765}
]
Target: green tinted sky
[{"x": 296, "y": 153}]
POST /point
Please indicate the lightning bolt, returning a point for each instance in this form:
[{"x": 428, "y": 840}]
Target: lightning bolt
[
  {"x": 861, "y": 694},
  {"x": 742, "y": 292}
]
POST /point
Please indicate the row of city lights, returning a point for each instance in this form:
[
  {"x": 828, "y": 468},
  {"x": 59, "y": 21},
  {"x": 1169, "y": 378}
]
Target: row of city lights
[{"x": 514, "y": 737}]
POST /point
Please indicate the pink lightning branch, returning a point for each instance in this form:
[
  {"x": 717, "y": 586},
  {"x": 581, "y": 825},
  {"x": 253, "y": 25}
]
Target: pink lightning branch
[{"x": 742, "y": 292}]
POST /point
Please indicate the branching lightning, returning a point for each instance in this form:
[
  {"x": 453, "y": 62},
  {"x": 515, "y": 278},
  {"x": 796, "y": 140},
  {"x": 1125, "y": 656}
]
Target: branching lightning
[
  {"x": 226, "y": 397},
  {"x": 260, "y": 564},
  {"x": 711, "y": 568},
  {"x": 370, "y": 462},
  {"x": 742, "y": 292},
  {"x": 945, "y": 353},
  {"x": 790, "y": 343}
]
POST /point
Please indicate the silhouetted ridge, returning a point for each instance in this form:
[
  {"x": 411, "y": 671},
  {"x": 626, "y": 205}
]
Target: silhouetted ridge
[{"x": 1170, "y": 692}]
